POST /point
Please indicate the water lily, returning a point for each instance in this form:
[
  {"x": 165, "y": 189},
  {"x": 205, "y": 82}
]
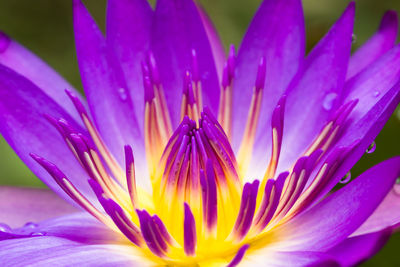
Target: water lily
[{"x": 182, "y": 156}]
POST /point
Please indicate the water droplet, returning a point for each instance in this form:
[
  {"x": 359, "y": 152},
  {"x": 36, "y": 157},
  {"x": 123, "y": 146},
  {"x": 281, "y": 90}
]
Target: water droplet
[
  {"x": 4, "y": 227},
  {"x": 396, "y": 187},
  {"x": 38, "y": 234},
  {"x": 329, "y": 100},
  {"x": 122, "y": 94},
  {"x": 346, "y": 178},
  {"x": 31, "y": 225},
  {"x": 377, "y": 93},
  {"x": 353, "y": 38},
  {"x": 371, "y": 148}
]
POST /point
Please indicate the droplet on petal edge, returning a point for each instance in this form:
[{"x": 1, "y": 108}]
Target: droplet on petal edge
[
  {"x": 371, "y": 148},
  {"x": 377, "y": 93},
  {"x": 4, "y": 228},
  {"x": 353, "y": 38},
  {"x": 38, "y": 234},
  {"x": 396, "y": 187},
  {"x": 346, "y": 178}
]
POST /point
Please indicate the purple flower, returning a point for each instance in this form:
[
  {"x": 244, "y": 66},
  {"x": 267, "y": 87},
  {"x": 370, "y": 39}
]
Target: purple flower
[{"x": 182, "y": 156}]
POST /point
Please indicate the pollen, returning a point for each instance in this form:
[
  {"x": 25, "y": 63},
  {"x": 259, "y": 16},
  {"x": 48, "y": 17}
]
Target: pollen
[{"x": 201, "y": 209}]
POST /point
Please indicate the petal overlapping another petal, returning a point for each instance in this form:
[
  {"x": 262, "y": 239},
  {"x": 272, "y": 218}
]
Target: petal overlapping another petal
[
  {"x": 178, "y": 30},
  {"x": 128, "y": 34},
  {"x": 106, "y": 90},
  {"x": 54, "y": 251},
  {"x": 387, "y": 215},
  {"x": 343, "y": 211},
  {"x": 21, "y": 205},
  {"x": 357, "y": 249},
  {"x": 21, "y": 60},
  {"x": 313, "y": 94},
  {"x": 283, "y": 50},
  {"x": 377, "y": 45},
  {"x": 23, "y": 124}
]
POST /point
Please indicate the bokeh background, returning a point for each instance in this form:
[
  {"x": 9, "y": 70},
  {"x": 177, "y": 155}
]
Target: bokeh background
[{"x": 45, "y": 27}]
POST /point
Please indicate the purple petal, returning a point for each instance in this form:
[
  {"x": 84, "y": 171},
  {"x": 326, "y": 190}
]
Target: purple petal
[
  {"x": 386, "y": 215},
  {"x": 21, "y": 205},
  {"x": 363, "y": 132},
  {"x": 25, "y": 128},
  {"x": 54, "y": 251},
  {"x": 106, "y": 90},
  {"x": 24, "y": 62},
  {"x": 79, "y": 227},
  {"x": 293, "y": 259},
  {"x": 313, "y": 94},
  {"x": 332, "y": 220},
  {"x": 128, "y": 34},
  {"x": 371, "y": 84},
  {"x": 283, "y": 51},
  {"x": 377, "y": 45},
  {"x": 178, "y": 29},
  {"x": 216, "y": 44},
  {"x": 355, "y": 250}
]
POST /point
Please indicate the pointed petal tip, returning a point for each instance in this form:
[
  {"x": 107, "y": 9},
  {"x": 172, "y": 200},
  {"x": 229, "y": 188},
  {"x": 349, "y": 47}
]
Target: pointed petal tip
[
  {"x": 352, "y": 5},
  {"x": 4, "y": 41},
  {"x": 350, "y": 10},
  {"x": 389, "y": 20},
  {"x": 76, "y": 3},
  {"x": 35, "y": 157}
]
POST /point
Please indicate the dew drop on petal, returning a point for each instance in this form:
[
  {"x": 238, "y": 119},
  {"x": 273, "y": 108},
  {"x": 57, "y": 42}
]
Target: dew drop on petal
[
  {"x": 122, "y": 94},
  {"x": 346, "y": 178},
  {"x": 38, "y": 234},
  {"x": 31, "y": 225},
  {"x": 396, "y": 187},
  {"x": 328, "y": 101},
  {"x": 4, "y": 227},
  {"x": 371, "y": 148},
  {"x": 353, "y": 38},
  {"x": 377, "y": 93}
]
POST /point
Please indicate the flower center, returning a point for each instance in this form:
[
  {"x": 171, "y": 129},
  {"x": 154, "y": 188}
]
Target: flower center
[{"x": 202, "y": 211}]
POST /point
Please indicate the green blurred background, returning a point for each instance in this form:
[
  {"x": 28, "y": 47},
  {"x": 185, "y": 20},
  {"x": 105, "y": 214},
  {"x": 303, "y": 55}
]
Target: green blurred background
[{"x": 45, "y": 27}]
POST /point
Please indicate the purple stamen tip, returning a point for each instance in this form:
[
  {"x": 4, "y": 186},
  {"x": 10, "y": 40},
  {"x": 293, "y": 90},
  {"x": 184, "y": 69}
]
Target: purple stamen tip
[
  {"x": 247, "y": 208},
  {"x": 232, "y": 61},
  {"x": 187, "y": 81},
  {"x": 225, "y": 76},
  {"x": 195, "y": 66},
  {"x": 261, "y": 74},
  {"x": 150, "y": 234},
  {"x": 128, "y": 154},
  {"x": 148, "y": 89},
  {"x": 190, "y": 238},
  {"x": 77, "y": 103},
  {"x": 97, "y": 189},
  {"x": 51, "y": 168},
  {"x": 145, "y": 69},
  {"x": 152, "y": 65},
  {"x": 239, "y": 256}
]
